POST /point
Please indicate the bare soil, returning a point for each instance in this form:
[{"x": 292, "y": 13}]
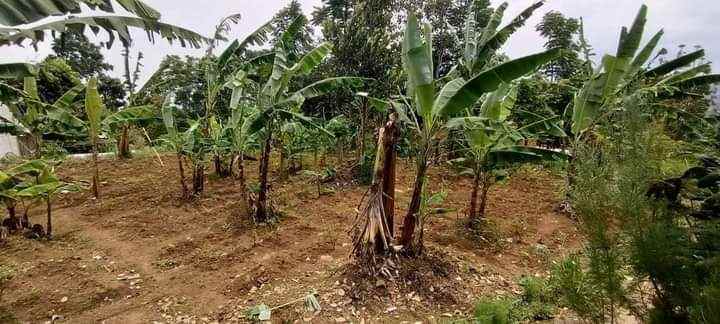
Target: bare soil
[{"x": 140, "y": 254}]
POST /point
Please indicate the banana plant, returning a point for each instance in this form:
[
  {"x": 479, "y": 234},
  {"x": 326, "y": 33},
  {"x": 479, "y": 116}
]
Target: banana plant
[
  {"x": 175, "y": 141},
  {"x": 36, "y": 120},
  {"x": 431, "y": 108},
  {"x": 222, "y": 70},
  {"x": 31, "y": 181},
  {"x": 94, "y": 108},
  {"x": 493, "y": 143},
  {"x": 625, "y": 74},
  {"x": 117, "y": 125},
  {"x": 242, "y": 140},
  {"x": 293, "y": 139},
  {"x": 9, "y": 198},
  {"x": 342, "y": 129},
  {"x": 191, "y": 144},
  {"x": 44, "y": 186},
  {"x": 219, "y": 74},
  {"x": 278, "y": 104}
]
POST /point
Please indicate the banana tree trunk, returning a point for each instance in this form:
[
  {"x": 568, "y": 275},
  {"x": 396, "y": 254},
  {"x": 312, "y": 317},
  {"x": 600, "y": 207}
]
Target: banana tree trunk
[
  {"x": 183, "y": 185},
  {"x": 487, "y": 182},
  {"x": 411, "y": 220},
  {"x": 261, "y": 212},
  {"x": 473, "y": 217},
  {"x": 12, "y": 216},
  {"x": 198, "y": 179},
  {"x": 391, "y": 133},
  {"x": 25, "y": 219},
  {"x": 221, "y": 170},
  {"x": 123, "y": 143},
  {"x": 372, "y": 233},
  {"x": 49, "y": 218},
  {"x": 96, "y": 173}
]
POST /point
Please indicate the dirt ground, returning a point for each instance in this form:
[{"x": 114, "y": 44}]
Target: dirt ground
[{"x": 140, "y": 255}]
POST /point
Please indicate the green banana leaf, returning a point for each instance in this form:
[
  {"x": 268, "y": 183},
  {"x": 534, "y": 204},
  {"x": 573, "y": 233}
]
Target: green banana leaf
[
  {"x": 16, "y": 70},
  {"x": 644, "y": 55},
  {"x": 675, "y": 64},
  {"x": 588, "y": 103},
  {"x": 20, "y": 12},
  {"x": 488, "y": 81},
  {"x": 311, "y": 60},
  {"x": 112, "y": 25},
  {"x": 490, "y": 45},
  {"x": 418, "y": 66},
  {"x": 93, "y": 109}
]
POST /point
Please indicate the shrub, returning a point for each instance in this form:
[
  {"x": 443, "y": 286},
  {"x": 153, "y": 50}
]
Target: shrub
[
  {"x": 535, "y": 303},
  {"x": 576, "y": 289},
  {"x": 493, "y": 311},
  {"x": 538, "y": 299}
]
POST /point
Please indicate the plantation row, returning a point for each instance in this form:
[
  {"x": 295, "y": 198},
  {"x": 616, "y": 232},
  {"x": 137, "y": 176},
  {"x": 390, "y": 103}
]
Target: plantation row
[{"x": 629, "y": 130}]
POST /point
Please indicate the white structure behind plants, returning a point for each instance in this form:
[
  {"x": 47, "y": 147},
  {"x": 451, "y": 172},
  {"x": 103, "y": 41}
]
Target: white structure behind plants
[{"x": 8, "y": 143}]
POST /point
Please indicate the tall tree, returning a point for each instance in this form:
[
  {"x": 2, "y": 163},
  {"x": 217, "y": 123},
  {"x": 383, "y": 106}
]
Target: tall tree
[
  {"x": 561, "y": 32},
  {"x": 362, "y": 34},
  {"x": 82, "y": 55},
  {"x": 284, "y": 19},
  {"x": 87, "y": 59}
]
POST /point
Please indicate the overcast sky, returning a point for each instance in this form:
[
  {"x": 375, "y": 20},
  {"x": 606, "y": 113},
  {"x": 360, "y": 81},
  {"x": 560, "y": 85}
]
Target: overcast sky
[{"x": 689, "y": 22}]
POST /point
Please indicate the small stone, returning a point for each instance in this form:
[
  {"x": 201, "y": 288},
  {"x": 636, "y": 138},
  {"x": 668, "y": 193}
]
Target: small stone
[
  {"x": 64, "y": 299},
  {"x": 341, "y": 292},
  {"x": 340, "y": 320},
  {"x": 391, "y": 309},
  {"x": 326, "y": 258}
]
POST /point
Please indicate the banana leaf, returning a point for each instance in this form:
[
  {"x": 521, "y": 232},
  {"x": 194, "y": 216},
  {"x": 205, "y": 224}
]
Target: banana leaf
[
  {"x": 675, "y": 64},
  {"x": 93, "y": 109},
  {"x": 311, "y": 60},
  {"x": 16, "y": 70},
  {"x": 20, "y": 12},
  {"x": 488, "y": 81},
  {"x": 418, "y": 66},
  {"x": 113, "y": 25}
]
